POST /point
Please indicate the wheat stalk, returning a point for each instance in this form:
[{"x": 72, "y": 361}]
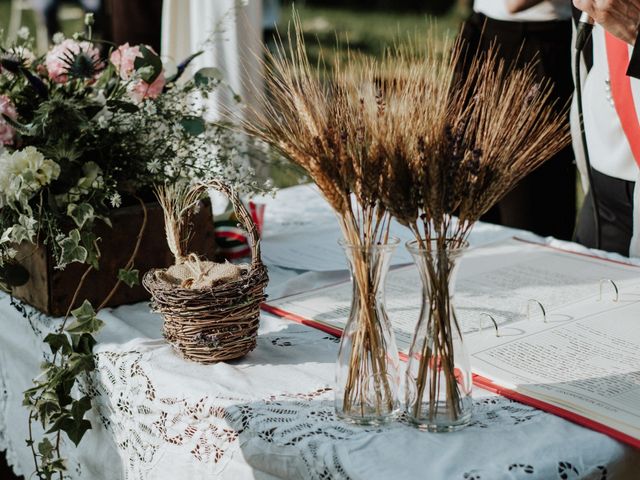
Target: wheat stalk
[{"x": 178, "y": 202}]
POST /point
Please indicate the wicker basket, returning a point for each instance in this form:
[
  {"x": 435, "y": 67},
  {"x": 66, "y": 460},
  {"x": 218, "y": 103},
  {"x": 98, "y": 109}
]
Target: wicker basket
[{"x": 218, "y": 323}]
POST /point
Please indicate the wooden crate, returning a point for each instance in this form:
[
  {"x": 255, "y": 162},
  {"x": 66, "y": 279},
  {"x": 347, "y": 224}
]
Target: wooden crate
[{"x": 51, "y": 290}]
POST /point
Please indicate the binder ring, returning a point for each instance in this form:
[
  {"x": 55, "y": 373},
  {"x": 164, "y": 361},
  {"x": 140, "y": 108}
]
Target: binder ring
[
  {"x": 542, "y": 309},
  {"x": 615, "y": 288},
  {"x": 493, "y": 320}
]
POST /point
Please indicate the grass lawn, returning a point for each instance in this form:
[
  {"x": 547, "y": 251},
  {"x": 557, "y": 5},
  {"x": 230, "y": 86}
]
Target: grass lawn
[{"x": 369, "y": 32}]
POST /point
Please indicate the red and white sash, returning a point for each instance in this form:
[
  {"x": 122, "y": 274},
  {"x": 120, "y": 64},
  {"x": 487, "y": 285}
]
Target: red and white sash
[
  {"x": 622, "y": 92},
  {"x": 624, "y": 99}
]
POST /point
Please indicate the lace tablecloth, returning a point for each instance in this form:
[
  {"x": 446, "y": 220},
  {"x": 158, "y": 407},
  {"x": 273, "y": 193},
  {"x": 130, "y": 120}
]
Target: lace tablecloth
[{"x": 270, "y": 415}]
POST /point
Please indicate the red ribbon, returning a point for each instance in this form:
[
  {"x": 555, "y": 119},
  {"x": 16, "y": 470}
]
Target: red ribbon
[{"x": 618, "y": 56}]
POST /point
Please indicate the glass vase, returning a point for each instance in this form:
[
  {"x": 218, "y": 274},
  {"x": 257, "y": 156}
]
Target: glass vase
[
  {"x": 368, "y": 368},
  {"x": 438, "y": 377}
]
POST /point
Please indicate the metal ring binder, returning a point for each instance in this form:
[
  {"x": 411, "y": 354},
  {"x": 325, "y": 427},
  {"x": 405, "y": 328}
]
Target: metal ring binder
[
  {"x": 542, "y": 309},
  {"x": 493, "y": 320},
  {"x": 615, "y": 288}
]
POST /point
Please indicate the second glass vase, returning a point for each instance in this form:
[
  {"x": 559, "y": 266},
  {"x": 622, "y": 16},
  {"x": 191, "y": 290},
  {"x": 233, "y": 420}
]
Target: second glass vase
[
  {"x": 438, "y": 379},
  {"x": 368, "y": 367}
]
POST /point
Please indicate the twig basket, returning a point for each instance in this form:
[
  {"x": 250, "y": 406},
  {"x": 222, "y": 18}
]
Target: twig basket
[{"x": 221, "y": 322}]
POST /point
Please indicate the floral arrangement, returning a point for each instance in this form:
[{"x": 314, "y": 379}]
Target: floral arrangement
[
  {"x": 405, "y": 137},
  {"x": 82, "y": 134},
  {"x": 85, "y": 129}
]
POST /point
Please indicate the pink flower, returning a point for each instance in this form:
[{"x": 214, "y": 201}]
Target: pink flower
[
  {"x": 7, "y": 133},
  {"x": 56, "y": 60},
  {"x": 141, "y": 90},
  {"x": 124, "y": 59}
]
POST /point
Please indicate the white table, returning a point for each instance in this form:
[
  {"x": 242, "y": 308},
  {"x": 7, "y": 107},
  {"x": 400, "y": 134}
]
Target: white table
[{"x": 270, "y": 415}]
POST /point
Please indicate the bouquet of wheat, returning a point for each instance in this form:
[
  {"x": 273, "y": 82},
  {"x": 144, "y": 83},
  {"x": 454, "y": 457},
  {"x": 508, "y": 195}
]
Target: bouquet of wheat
[{"x": 404, "y": 137}]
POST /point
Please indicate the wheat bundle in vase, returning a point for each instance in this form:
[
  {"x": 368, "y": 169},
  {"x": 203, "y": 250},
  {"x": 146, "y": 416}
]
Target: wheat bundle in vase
[{"x": 486, "y": 132}]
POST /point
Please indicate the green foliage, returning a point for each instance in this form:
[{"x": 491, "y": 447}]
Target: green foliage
[
  {"x": 193, "y": 125},
  {"x": 72, "y": 250},
  {"x": 81, "y": 214},
  {"x": 129, "y": 277},
  {"x": 149, "y": 64},
  {"x": 54, "y": 400}
]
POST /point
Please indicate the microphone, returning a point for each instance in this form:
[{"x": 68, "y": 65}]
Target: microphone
[{"x": 584, "y": 29}]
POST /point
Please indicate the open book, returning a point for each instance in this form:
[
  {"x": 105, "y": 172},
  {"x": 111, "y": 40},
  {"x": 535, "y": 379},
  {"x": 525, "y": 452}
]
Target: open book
[{"x": 580, "y": 360}]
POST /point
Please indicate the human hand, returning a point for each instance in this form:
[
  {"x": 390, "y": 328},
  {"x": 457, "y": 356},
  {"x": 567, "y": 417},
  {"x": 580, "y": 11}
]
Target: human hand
[{"x": 621, "y": 18}]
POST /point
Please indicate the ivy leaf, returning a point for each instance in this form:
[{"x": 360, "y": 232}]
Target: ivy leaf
[
  {"x": 80, "y": 407},
  {"x": 63, "y": 391},
  {"x": 81, "y": 214},
  {"x": 148, "y": 59},
  {"x": 193, "y": 125},
  {"x": 47, "y": 405},
  {"x": 130, "y": 277},
  {"x": 86, "y": 320},
  {"x": 90, "y": 242},
  {"x": 57, "y": 341},
  {"x": 45, "y": 448},
  {"x": 72, "y": 251},
  {"x": 75, "y": 429},
  {"x": 85, "y": 312},
  {"x": 83, "y": 343},
  {"x": 79, "y": 363}
]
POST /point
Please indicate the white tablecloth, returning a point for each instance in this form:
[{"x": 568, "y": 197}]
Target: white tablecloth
[{"x": 270, "y": 415}]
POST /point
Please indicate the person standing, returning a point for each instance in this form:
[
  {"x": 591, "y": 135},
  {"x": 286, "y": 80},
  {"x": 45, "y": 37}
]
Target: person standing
[
  {"x": 136, "y": 22},
  {"x": 525, "y": 31},
  {"x": 611, "y": 105}
]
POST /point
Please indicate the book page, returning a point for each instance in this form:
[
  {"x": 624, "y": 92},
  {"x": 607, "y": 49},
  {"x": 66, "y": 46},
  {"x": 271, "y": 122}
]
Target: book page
[
  {"x": 499, "y": 280},
  {"x": 589, "y": 364}
]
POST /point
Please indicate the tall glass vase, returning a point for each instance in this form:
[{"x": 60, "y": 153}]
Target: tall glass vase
[
  {"x": 368, "y": 369},
  {"x": 438, "y": 377}
]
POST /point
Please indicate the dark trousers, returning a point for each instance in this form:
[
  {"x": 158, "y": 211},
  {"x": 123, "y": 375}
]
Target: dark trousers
[
  {"x": 545, "y": 201},
  {"x": 136, "y": 21},
  {"x": 615, "y": 212}
]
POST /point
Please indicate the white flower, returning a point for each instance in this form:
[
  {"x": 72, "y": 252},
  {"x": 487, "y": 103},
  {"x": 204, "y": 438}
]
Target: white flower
[
  {"x": 23, "y": 33},
  {"x": 58, "y": 38},
  {"x": 115, "y": 200},
  {"x": 23, "y": 173}
]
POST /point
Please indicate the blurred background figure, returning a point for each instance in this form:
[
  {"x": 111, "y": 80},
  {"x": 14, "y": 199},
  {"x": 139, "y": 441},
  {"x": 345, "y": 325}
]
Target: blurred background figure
[
  {"x": 229, "y": 32},
  {"x": 525, "y": 31},
  {"x": 51, "y": 10},
  {"x": 136, "y": 21}
]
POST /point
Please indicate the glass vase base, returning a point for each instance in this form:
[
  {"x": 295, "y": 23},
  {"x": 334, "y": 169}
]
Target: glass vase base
[
  {"x": 445, "y": 427},
  {"x": 369, "y": 421},
  {"x": 443, "y": 422}
]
